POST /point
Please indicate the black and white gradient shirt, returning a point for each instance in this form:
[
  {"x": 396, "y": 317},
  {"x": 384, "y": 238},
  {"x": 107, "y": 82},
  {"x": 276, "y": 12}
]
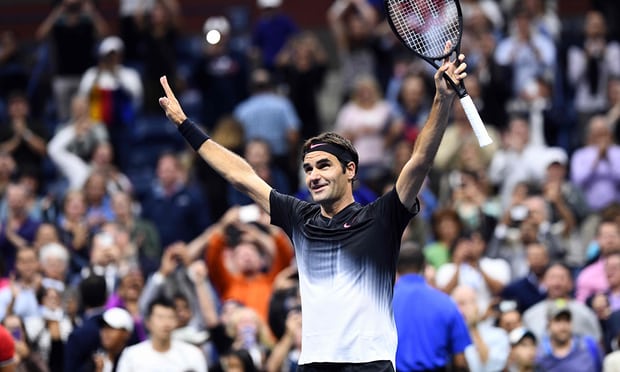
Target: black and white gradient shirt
[{"x": 347, "y": 268}]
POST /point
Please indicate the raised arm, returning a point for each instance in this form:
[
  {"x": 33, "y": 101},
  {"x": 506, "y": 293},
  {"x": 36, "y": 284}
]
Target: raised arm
[
  {"x": 417, "y": 167},
  {"x": 228, "y": 164}
]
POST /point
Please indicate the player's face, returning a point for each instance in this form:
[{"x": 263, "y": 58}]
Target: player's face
[{"x": 324, "y": 177}]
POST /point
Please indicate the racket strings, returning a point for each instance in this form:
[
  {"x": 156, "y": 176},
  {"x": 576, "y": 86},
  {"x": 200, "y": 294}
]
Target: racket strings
[{"x": 426, "y": 25}]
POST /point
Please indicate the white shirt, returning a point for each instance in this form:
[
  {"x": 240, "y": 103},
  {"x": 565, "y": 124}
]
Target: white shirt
[
  {"x": 509, "y": 167},
  {"x": 181, "y": 357},
  {"x": 496, "y": 340},
  {"x": 611, "y": 363},
  {"x": 126, "y": 76},
  {"x": 70, "y": 165},
  {"x": 496, "y": 268},
  {"x": 25, "y": 305},
  {"x": 585, "y": 100},
  {"x": 524, "y": 58}
]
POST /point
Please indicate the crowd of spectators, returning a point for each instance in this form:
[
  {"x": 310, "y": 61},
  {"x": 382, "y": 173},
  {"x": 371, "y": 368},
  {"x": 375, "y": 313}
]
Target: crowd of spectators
[{"x": 103, "y": 208}]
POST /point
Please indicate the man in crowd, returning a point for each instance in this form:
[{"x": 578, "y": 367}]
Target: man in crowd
[
  {"x": 160, "y": 352},
  {"x": 563, "y": 350},
  {"x": 432, "y": 333}
]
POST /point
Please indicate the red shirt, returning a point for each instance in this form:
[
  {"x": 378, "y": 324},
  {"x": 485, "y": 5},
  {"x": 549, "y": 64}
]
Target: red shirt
[{"x": 7, "y": 347}]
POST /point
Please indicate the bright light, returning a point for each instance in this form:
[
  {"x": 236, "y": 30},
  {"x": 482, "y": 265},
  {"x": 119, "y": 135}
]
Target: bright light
[{"x": 213, "y": 37}]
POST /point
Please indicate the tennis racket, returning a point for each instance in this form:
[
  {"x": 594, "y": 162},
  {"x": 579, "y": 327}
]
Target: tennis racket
[{"x": 424, "y": 27}]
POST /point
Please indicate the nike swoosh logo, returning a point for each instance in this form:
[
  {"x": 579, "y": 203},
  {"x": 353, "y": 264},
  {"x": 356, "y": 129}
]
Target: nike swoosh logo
[
  {"x": 315, "y": 145},
  {"x": 346, "y": 225}
]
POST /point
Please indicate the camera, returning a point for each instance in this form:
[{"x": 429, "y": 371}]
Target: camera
[
  {"x": 16, "y": 333},
  {"x": 249, "y": 213},
  {"x": 232, "y": 234},
  {"x": 518, "y": 213}
]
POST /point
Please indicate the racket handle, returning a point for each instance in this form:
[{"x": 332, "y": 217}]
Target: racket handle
[{"x": 476, "y": 122}]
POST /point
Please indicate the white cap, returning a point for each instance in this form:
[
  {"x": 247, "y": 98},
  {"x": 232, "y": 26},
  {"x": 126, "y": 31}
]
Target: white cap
[
  {"x": 111, "y": 44},
  {"x": 518, "y": 334},
  {"x": 269, "y": 3},
  {"x": 555, "y": 155},
  {"x": 118, "y": 318},
  {"x": 218, "y": 23}
]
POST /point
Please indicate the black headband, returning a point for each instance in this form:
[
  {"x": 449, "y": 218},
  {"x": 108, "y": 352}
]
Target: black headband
[{"x": 339, "y": 152}]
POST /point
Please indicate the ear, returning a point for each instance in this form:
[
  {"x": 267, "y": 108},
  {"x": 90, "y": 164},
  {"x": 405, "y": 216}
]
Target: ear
[{"x": 351, "y": 170}]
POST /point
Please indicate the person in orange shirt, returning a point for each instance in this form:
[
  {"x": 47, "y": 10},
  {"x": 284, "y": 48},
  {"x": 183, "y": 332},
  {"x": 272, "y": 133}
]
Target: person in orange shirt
[{"x": 244, "y": 254}]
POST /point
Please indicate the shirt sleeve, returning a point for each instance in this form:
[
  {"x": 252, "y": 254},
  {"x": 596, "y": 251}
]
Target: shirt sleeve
[
  {"x": 70, "y": 165},
  {"x": 444, "y": 274},
  {"x": 283, "y": 255},
  {"x": 576, "y": 65},
  {"x": 7, "y": 351},
  {"x": 390, "y": 208},
  {"x": 286, "y": 210},
  {"x": 218, "y": 274},
  {"x": 459, "y": 334},
  {"x": 582, "y": 166}
]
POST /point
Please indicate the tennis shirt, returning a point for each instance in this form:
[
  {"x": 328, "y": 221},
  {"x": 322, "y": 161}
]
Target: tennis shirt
[{"x": 347, "y": 268}]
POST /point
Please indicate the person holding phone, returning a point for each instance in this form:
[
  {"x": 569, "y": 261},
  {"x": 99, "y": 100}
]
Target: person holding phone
[
  {"x": 346, "y": 253},
  {"x": 258, "y": 252},
  {"x": 27, "y": 358}
]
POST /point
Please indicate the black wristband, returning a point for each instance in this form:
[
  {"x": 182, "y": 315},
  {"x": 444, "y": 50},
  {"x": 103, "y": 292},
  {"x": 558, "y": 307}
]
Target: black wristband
[{"x": 193, "y": 134}]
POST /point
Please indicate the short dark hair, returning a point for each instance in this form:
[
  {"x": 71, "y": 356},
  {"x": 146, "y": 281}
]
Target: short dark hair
[
  {"x": 159, "y": 301},
  {"x": 93, "y": 291},
  {"x": 445, "y": 213},
  {"x": 244, "y": 358},
  {"x": 180, "y": 296},
  {"x": 411, "y": 258},
  {"x": 561, "y": 265},
  {"x": 337, "y": 140},
  {"x": 260, "y": 80}
]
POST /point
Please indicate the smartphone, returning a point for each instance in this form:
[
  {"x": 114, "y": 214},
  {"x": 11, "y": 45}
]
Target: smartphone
[
  {"x": 17, "y": 334},
  {"x": 249, "y": 213}
]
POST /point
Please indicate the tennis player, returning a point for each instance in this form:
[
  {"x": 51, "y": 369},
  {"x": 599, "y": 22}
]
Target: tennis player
[{"x": 346, "y": 253}]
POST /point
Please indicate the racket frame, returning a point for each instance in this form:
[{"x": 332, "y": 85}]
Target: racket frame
[{"x": 456, "y": 48}]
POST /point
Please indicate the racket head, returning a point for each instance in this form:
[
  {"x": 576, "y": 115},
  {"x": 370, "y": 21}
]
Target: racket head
[{"x": 424, "y": 26}]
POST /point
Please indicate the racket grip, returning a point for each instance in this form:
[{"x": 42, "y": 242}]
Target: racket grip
[{"x": 476, "y": 122}]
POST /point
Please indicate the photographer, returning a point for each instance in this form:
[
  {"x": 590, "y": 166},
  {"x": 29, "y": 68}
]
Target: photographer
[
  {"x": 26, "y": 357},
  {"x": 244, "y": 255},
  {"x": 470, "y": 267},
  {"x": 527, "y": 220},
  {"x": 172, "y": 280},
  {"x": 50, "y": 329}
]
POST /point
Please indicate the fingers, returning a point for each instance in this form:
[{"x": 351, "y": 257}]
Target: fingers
[
  {"x": 164, "y": 83},
  {"x": 163, "y": 102},
  {"x": 446, "y": 50}
]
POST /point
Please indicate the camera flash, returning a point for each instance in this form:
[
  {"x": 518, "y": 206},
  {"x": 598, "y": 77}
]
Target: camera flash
[{"x": 213, "y": 37}]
